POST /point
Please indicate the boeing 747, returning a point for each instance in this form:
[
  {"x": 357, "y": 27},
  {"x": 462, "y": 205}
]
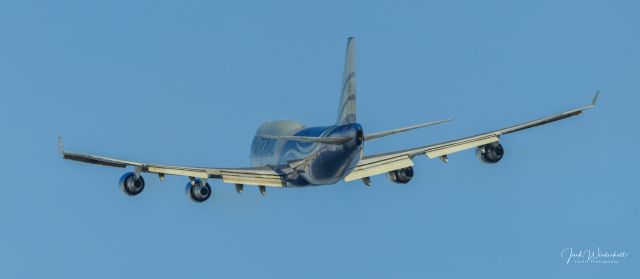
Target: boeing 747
[{"x": 288, "y": 154}]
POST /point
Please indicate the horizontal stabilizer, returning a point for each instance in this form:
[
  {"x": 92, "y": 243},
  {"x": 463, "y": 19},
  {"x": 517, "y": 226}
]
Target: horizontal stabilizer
[
  {"x": 396, "y": 131},
  {"x": 310, "y": 139}
]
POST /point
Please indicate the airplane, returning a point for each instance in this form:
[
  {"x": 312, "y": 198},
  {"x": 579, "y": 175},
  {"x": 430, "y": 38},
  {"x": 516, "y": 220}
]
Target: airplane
[{"x": 286, "y": 153}]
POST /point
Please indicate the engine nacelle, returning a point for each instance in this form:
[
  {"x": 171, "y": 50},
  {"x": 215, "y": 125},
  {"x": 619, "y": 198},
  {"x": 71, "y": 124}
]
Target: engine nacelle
[
  {"x": 401, "y": 176},
  {"x": 198, "y": 192},
  {"x": 490, "y": 153},
  {"x": 130, "y": 184}
]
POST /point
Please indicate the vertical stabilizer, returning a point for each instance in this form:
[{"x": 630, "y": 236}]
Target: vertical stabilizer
[{"x": 347, "y": 110}]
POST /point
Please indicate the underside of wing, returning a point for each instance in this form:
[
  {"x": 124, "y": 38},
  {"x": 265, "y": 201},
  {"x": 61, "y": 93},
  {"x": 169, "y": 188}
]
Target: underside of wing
[
  {"x": 486, "y": 143},
  {"x": 262, "y": 176}
]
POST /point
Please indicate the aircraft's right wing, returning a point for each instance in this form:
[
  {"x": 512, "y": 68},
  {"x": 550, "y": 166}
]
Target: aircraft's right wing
[{"x": 383, "y": 163}]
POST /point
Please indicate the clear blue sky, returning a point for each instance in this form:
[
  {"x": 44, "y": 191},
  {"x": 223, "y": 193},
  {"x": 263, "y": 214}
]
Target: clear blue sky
[{"x": 188, "y": 82}]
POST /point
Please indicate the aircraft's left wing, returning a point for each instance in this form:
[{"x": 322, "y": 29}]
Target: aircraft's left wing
[
  {"x": 252, "y": 176},
  {"x": 383, "y": 163}
]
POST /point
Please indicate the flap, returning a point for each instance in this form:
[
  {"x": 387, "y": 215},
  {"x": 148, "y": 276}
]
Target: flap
[
  {"x": 263, "y": 181},
  {"x": 378, "y": 167},
  {"x": 455, "y": 146}
]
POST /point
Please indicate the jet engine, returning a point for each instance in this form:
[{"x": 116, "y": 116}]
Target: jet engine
[
  {"x": 401, "y": 176},
  {"x": 198, "y": 192},
  {"x": 131, "y": 184},
  {"x": 490, "y": 153}
]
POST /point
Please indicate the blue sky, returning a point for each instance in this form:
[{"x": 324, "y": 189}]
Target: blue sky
[{"x": 188, "y": 82}]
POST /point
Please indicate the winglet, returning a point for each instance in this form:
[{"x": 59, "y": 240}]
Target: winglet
[
  {"x": 595, "y": 99},
  {"x": 60, "y": 145}
]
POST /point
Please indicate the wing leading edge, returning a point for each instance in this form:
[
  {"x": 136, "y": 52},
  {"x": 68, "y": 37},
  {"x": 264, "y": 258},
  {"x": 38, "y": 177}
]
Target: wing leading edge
[{"x": 383, "y": 163}]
